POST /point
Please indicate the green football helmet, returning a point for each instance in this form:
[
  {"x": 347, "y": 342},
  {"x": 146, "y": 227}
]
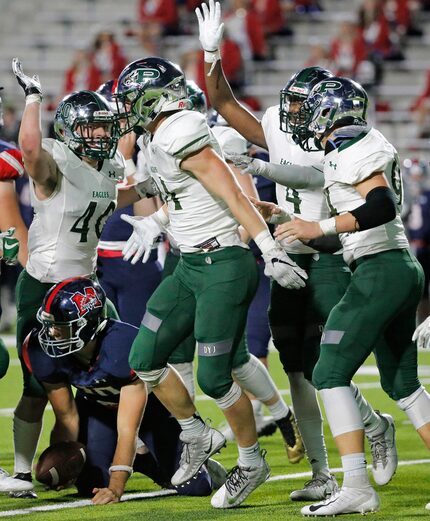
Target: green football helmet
[
  {"x": 297, "y": 90},
  {"x": 76, "y": 117},
  {"x": 333, "y": 103},
  {"x": 147, "y": 88},
  {"x": 196, "y": 97}
]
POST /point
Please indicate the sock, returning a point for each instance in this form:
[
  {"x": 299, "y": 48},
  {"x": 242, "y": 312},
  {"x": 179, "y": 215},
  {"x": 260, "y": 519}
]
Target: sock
[
  {"x": 194, "y": 426},
  {"x": 279, "y": 409},
  {"x": 354, "y": 471},
  {"x": 250, "y": 456},
  {"x": 25, "y": 438},
  {"x": 374, "y": 424},
  {"x": 309, "y": 422}
]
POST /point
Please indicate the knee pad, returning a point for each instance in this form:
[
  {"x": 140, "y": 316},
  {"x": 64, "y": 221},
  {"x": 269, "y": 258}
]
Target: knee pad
[
  {"x": 230, "y": 398},
  {"x": 255, "y": 378},
  {"x": 4, "y": 359},
  {"x": 342, "y": 411},
  {"x": 417, "y": 407},
  {"x": 154, "y": 377},
  {"x": 186, "y": 372}
]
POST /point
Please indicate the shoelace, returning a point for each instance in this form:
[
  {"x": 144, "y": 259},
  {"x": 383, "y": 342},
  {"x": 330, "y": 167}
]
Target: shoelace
[
  {"x": 378, "y": 446},
  {"x": 316, "y": 482},
  {"x": 235, "y": 479}
]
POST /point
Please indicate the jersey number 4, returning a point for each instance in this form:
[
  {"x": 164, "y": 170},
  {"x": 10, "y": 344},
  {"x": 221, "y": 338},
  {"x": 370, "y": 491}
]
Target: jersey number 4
[{"x": 82, "y": 224}]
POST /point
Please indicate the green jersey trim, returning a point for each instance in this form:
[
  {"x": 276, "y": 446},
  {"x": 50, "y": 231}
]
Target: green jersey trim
[
  {"x": 354, "y": 140},
  {"x": 188, "y": 145}
]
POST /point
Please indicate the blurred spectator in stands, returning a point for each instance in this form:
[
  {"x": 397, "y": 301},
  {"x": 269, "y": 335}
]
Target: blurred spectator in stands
[
  {"x": 272, "y": 16},
  {"x": 159, "y": 16},
  {"x": 82, "y": 73},
  {"x": 10, "y": 129},
  {"x": 350, "y": 56},
  {"x": 107, "y": 56},
  {"x": 347, "y": 50},
  {"x": 380, "y": 39},
  {"x": 318, "y": 56},
  {"x": 421, "y": 109},
  {"x": 400, "y": 15},
  {"x": 245, "y": 26}
]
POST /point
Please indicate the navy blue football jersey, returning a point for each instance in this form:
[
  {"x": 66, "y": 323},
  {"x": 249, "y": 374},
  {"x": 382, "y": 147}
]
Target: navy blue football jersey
[
  {"x": 102, "y": 381},
  {"x": 115, "y": 228}
]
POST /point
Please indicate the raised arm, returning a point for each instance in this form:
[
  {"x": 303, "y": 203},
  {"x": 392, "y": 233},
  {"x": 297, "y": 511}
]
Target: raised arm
[
  {"x": 220, "y": 93},
  {"x": 39, "y": 165}
]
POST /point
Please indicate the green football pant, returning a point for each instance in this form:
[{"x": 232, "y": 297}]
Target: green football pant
[
  {"x": 377, "y": 313},
  {"x": 297, "y": 317},
  {"x": 210, "y": 295}
]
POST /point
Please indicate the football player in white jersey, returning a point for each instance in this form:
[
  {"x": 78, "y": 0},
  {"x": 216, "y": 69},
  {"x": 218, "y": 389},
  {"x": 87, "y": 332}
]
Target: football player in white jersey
[
  {"x": 73, "y": 188},
  {"x": 297, "y": 318},
  {"x": 216, "y": 276},
  {"x": 363, "y": 187}
]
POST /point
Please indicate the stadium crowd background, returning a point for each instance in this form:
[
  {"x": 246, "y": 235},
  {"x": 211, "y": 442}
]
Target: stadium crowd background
[{"x": 383, "y": 44}]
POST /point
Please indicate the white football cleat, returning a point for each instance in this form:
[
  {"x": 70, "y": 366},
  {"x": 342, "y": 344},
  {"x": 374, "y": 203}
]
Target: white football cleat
[
  {"x": 217, "y": 472},
  {"x": 384, "y": 452},
  {"x": 9, "y": 484},
  {"x": 428, "y": 506},
  {"x": 265, "y": 425},
  {"x": 195, "y": 452},
  {"x": 241, "y": 481},
  {"x": 320, "y": 487},
  {"x": 345, "y": 501}
]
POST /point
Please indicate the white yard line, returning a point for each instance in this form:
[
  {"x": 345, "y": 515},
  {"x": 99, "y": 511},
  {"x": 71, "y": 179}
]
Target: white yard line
[{"x": 161, "y": 493}]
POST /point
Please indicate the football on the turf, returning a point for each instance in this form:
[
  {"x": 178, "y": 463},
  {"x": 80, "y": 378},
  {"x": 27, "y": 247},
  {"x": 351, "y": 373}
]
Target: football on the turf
[{"x": 60, "y": 464}]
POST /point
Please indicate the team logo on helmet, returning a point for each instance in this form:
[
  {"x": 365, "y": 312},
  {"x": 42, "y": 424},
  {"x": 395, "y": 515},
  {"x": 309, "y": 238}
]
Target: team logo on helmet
[
  {"x": 87, "y": 301},
  {"x": 140, "y": 75},
  {"x": 324, "y": 86}
]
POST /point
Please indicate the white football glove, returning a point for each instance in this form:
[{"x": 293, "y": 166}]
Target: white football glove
[
  {"x": 32, "y": 85},
  {"x": 284, "y": 270},
  {"x": 422, "y": 334},
  {"x": 210, "y": 26},
  {"x": 247, "y": 164},
  {"x": 145, "y": 233}
]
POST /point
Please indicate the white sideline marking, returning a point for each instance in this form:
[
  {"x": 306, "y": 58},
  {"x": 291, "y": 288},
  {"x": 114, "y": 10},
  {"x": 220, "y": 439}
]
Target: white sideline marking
[
  {"x": 8, "y": 411},
  {"x": 83, "y": 503},
  {"x": 161, "y": 493}
]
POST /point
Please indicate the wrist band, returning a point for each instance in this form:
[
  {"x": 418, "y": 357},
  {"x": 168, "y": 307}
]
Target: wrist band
[
  {"x": 161, "y": 217},
  {"x": 264, "y": 241},
  {"x": 212, "y": 57},
  {"x": 121, "y": 468},
  {"x": 33, "y": 98},
  {"x": 130, "y": 167},
  {"x": 328, "y": 226}
]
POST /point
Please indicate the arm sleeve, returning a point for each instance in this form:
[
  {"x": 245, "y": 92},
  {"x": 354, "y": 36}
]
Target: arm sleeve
[
  {"x": 326, "y": 244},
  {"x": 379, "y": 208},
  {"x": 294, "y": 176}
]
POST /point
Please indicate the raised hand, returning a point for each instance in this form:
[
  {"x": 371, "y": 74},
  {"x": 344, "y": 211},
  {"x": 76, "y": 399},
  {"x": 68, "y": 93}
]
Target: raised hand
[{"x": 30, "y": 85}]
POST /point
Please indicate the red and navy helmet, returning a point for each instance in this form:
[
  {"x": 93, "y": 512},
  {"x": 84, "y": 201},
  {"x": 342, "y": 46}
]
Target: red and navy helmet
[{"x": 72, "y": 313}]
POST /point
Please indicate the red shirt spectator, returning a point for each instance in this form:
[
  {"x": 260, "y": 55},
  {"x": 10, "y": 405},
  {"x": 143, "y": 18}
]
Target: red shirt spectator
[
  {"x": 82, "y": 74},
  {"x": 347, "y": 50},
  {"x": 163, "y": 12},
  {"x": 417, "y": 104},
  {"x": 270, "y": 14}
]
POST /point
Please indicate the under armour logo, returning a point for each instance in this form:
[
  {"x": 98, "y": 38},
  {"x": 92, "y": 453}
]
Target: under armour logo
[
  {"x": 86, "y": 301},
  {"x": 333, "y": 165},
  {"x": 112, "y": 173}
]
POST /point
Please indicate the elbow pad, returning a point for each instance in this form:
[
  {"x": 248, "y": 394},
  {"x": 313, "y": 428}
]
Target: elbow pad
[{"x": 379, "y": 208}]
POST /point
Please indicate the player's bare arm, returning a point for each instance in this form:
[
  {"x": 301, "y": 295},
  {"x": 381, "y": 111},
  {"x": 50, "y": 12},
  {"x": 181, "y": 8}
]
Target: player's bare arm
[
  {"x": 220, "y": 93},
  {"x": 130, "y": 411},
  {"x": 215, "y": 175},
  {"x": 66, "y": 426},
  {"x": 39, "y": 165}
]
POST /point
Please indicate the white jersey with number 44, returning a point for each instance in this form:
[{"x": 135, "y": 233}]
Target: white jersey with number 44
[
  {"x": 66, "y": 228},
  {"x": 351, "y": 163},
  {"x": 199, "y": 221}
]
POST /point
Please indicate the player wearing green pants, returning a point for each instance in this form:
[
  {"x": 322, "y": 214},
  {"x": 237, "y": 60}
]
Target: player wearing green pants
[
  {"x": 214, "y": 281},
  {"x": 363, "y": 187}
]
